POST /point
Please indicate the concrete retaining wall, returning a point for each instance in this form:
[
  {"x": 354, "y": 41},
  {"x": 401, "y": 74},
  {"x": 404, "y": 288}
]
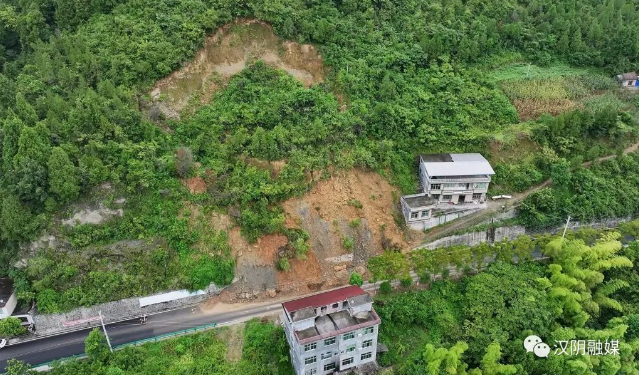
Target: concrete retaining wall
[
  {"x": 47, "y": 324},
  {"x": 513, "y": 231}
]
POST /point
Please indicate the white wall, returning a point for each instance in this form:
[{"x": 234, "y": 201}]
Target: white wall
[{"x": 9, "y": 307}]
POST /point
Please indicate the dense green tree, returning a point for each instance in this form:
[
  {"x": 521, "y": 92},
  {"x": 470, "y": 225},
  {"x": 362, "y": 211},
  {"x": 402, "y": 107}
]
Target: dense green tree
[
  {"x": 96, "y": 347},
  {"x": 62, "y": 175},
  {"x": 490, "y": 363},
  {"x": 18, "y": 223},
  {"x": 577, "y": 279},
  {"x": 11, "y": 135},
  {"x": 12, "y": 327},
  {"x": 16, "y": 367}
]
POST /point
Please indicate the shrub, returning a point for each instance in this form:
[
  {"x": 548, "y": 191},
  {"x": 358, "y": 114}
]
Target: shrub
[
  {"x": 354, "y": 223},
  {"x": 446, "y": 274},
  {"x": 355, "y": 203},
  {"x": 301, "y": 247},
  {"x": 425, "y": 277},
  {"x": 12, "y": 327},
  {"x": 96, "y": 347},
  {"x": 385, "y": 287},
  {"x": 406, "y": 281},
  {"x": 183, "y": 161},
  {"x": 283, "y": 264},
  {"x": 348, "y": 243},
  {"x": 356, "y": 279}
]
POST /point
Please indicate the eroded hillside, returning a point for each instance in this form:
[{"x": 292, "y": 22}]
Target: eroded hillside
[{"x": 227, "y": 52}]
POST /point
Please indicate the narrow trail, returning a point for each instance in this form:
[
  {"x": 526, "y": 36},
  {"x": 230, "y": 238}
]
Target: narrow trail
[{"x": 494, "y": 206}]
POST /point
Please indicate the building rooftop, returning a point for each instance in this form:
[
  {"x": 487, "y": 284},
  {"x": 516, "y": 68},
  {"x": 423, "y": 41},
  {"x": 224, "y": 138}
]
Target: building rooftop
[
  {"x": 419, "y": 200},
  {"x": 362, "y": 299},
  {"x": 472, "y": 164},
  {"x": 300, "y": 309},
  {"x": 336, "y": 323},
  {"x": 628, "y": 76},
  {"x": 6, "y": 290}
]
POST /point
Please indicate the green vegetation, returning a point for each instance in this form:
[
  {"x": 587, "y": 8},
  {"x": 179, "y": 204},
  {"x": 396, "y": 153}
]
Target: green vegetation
[
  {"x": 265, "y": 352},
  {"x": 411, "y": 77},
  {"x": 96, "y": 346},
  {"x": 283, "y": 264},
  {"x": 356, "y": 279},
  {"x": 356, "y": 203},
  {"x": 12, "y": 327},
  {"x": 477, "y": 325},
  {"x": 348, "y": 243},
  {"x": 605, "y": 189}
]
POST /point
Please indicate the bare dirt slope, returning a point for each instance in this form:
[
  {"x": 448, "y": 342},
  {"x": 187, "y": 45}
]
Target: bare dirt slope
[
  {"x": 228, "y": 52},
  {"x": 356, "y": 205}
]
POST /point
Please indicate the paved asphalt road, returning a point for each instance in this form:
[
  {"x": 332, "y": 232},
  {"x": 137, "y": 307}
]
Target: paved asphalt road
[{"x": 66, "y": 345}]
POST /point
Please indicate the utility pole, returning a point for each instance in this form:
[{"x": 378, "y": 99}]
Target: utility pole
[
  {"x": 566, "y": 227},
  {"x": 105, "y": 332}
]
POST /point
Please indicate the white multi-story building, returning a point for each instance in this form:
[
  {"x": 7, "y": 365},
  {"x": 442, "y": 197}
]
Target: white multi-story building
[
  {"x": 454, "y": 185},
  {"x": 331, "y": 332}
]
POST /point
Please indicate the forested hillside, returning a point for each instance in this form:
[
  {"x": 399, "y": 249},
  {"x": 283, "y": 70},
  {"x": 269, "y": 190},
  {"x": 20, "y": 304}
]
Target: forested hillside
[{"x": 404, "y": 77}]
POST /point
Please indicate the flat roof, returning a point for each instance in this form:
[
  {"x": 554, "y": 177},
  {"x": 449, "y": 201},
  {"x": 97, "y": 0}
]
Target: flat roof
[
  {"x": 470, "y": 164},
  {"x": 419, "y": 201},
  {"x": 336, "y": 323},
  {"x": 6, "y": 290},
  {"x": 323, "y": 299},
  {"x": 628, "y": 76},
  {"x": 360, "y": 300}
]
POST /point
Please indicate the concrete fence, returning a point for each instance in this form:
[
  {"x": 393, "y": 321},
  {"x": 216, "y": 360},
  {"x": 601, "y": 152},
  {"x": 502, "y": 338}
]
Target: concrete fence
[{"x": 493, "y": 235}]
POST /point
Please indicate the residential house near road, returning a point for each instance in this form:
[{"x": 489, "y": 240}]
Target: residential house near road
[
  {"x": 332, "y": 332},
  {"x": 454, "y": 185},
  {"x": 629, "y": 80},
  {"x": 8, "y": 299}
]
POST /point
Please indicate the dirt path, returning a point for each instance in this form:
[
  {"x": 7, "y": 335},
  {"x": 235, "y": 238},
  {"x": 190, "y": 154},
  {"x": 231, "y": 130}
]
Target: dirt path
[{"x": 494, "y": 206}]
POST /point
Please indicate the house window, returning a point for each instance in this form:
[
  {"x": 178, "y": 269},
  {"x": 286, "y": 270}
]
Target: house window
[
  {"x": 335, "y": 305},
  {"x": 414, "y": 215},
  {"x": 310, "y": 360},
  {"x": 348, "y": 336},
  {"x": 476, "y": 196},
  {"x": 425, "y": 213},
  {"x": 369, "y": 330},
  {"x": 447, "y": 197},
  {"x": 347, "y": 361},
  {"x": 481, "y": 185},
  {"x": 329, "y": 341},
  {"x": 436, "y": 187},
  {"x": 323, "y": 309},
  {"x": 350, "y": 349},
  {"x": 311, "y": 346},
  {"x": 312, "y": 371},
  {"x": 329, "y": 366},
  {"x": 327, "y": 355},
  {"x": 367, "y": 344},
  {"x": 449, "y": 185},
  {"x": 366, "y": 356}
]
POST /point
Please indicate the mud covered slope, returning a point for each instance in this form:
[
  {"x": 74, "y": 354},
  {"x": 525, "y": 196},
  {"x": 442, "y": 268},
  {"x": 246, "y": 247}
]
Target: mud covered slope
[{"x": 228, "y": 52}]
